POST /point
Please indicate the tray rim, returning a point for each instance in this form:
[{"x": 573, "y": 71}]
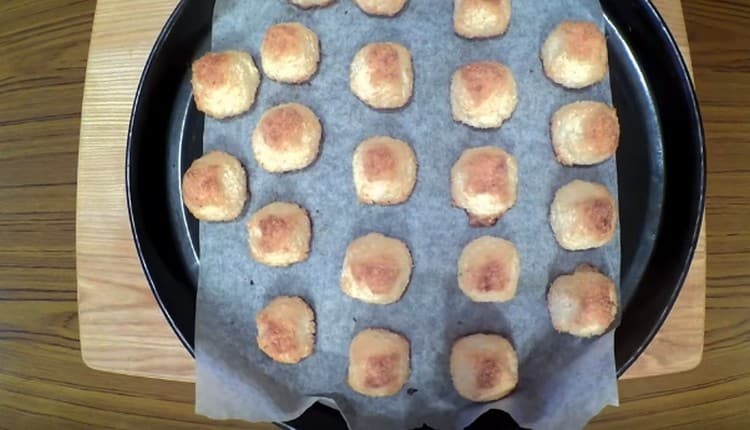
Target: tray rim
[{"x": 694, "y": 235}]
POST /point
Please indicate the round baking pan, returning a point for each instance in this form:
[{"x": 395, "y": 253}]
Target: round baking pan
[{"x": 660, "y": 162}]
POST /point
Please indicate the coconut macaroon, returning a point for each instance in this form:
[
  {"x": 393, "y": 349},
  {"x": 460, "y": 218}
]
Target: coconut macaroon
[
  {"x": 378, "y": 363},
  {"x": 484, "y": 182},
  {"x": 214, "y": 187},
  {"x": 381, "y": 7},
  {"x": 583, "y": 215},
  {"x": 484, "y": 367},
  {"x": 290, "y": 53},
  {"x": 575, "y": 54},
  {"x": 474, "y": 19},
  {"x": 224, "y": 83},
  {"x": 583, "y": 304},
  {"x": 287, "y": 138},
  {"x": 381, "y": 75},
  {"x": 483, "y": 94},
  {"x": 488, "y": 270},
  {"x": 384, "y": 170},
  {"x": 307, "y": 4},
  {"x": 585, "y": 133},
  {"x": 279, "y": 234},
  {"x": 286, "y": 330},
  {"x": 376, "y": 269}
]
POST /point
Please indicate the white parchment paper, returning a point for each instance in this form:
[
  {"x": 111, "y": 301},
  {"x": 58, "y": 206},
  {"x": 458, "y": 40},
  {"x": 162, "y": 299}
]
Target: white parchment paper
[{"x": 564, "y": 381}]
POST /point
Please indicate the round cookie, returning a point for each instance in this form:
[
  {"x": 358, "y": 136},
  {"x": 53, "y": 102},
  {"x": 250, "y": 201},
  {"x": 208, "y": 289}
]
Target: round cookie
[
  {"x": 575, "y": 54},
  {"x": 378, "y": 363},
  {"x": 286, "y": 330},
  {"x": 583, "y": 304},
  {"x": 376, "y": 269},
  {"x": 381, "y": 7},
  {"x": 484, "y": 367},
  {"x": 307, "y": 4},
  {"x": 488, "y": 270},
  {"x": 290, "y": 53},
  {"x": 214, "y": 187},
  {"x": 287, "y": 138},
  {"x": 483, "y": 94},
  {"x": 279, "y": 234},
  {"x": 475, "y": 19},
  {"x": 583, "y": 215},
  {"x": 381, "y": 75},
  {"x": 384, "y": 170},
  {"x": 484, "y": 182},
  {"x": 585, "y": 133},
  {"x": 224, "y": 83}
]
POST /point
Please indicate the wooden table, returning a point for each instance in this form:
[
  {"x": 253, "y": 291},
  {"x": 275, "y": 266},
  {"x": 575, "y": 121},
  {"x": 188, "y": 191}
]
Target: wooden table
[{"x": 43, "y": 383}]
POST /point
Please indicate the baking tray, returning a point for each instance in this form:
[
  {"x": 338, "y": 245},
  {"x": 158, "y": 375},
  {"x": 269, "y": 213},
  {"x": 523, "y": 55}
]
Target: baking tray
[{"x": 661, "y": 169}]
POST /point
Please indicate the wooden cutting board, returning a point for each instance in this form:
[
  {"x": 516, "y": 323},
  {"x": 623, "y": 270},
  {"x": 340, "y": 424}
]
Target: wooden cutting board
[{"x": 121, "y": 327}]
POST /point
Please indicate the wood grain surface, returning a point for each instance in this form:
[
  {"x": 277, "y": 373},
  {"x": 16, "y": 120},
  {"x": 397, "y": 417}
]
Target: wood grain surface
[
  {"x": 119, "y": 317},
  {"x": 43, "y": 382},
  {"x": 122, "y": 330}
]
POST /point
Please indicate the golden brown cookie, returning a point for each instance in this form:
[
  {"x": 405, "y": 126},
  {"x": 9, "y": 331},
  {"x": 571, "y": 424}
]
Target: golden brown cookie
[
  {"x": 287, "y": 138},
  {"x": 376, "y": 269},
  {"x": 488, "y": 270},
  {"x": 585, "y": 133},
  {"x": 290, "y": 53},
  {"x": 279, "y": 234},
  {"x": 483, "y": 94},
  {"x": 384, "y": 170},
  {"x": 484, "y": 182},
  {"x": 583, "y": 304},
  {"x": 307, "y": 4},
  {"x": 484, "y": 367},
  {"x": 381, "y": 75},
  {"x": 224, "y": 83},
  {"x": 286, "y": 330},
  {"x": 575, "y": 54},
  {"x": 378, "y": 363},
  {"x": 583, "y": 215},
  {"x": 381, "y": 7},
  {"x": 474, "y": 19},
  {"x": 214, "y": 188}
]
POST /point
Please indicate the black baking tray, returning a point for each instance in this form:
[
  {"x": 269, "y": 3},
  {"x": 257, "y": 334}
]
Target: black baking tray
[{"x": 660, "y": 162}]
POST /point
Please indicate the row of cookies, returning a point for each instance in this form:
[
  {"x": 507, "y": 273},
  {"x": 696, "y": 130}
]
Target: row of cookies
[
  {"x": 288, "y": 138},
  {"x": 483, "y": 94},
  {"x": 484, "y": 182},
  {"x": 225, "y": 83},
  {"x": 483, "y": 367},
  {"x": 583, "y": 215},
  {"x": 574, "y": 54},
  {"x": 376, "y": 268},
  {"x": 370, "y": 7},
  {"x": 472, "y": 19}
]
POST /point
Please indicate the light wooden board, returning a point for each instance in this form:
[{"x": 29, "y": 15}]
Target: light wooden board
[{"x": 121, "y": 327}]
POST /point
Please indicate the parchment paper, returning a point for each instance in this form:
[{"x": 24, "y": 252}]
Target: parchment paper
[{"x": 564, "y": 381}]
